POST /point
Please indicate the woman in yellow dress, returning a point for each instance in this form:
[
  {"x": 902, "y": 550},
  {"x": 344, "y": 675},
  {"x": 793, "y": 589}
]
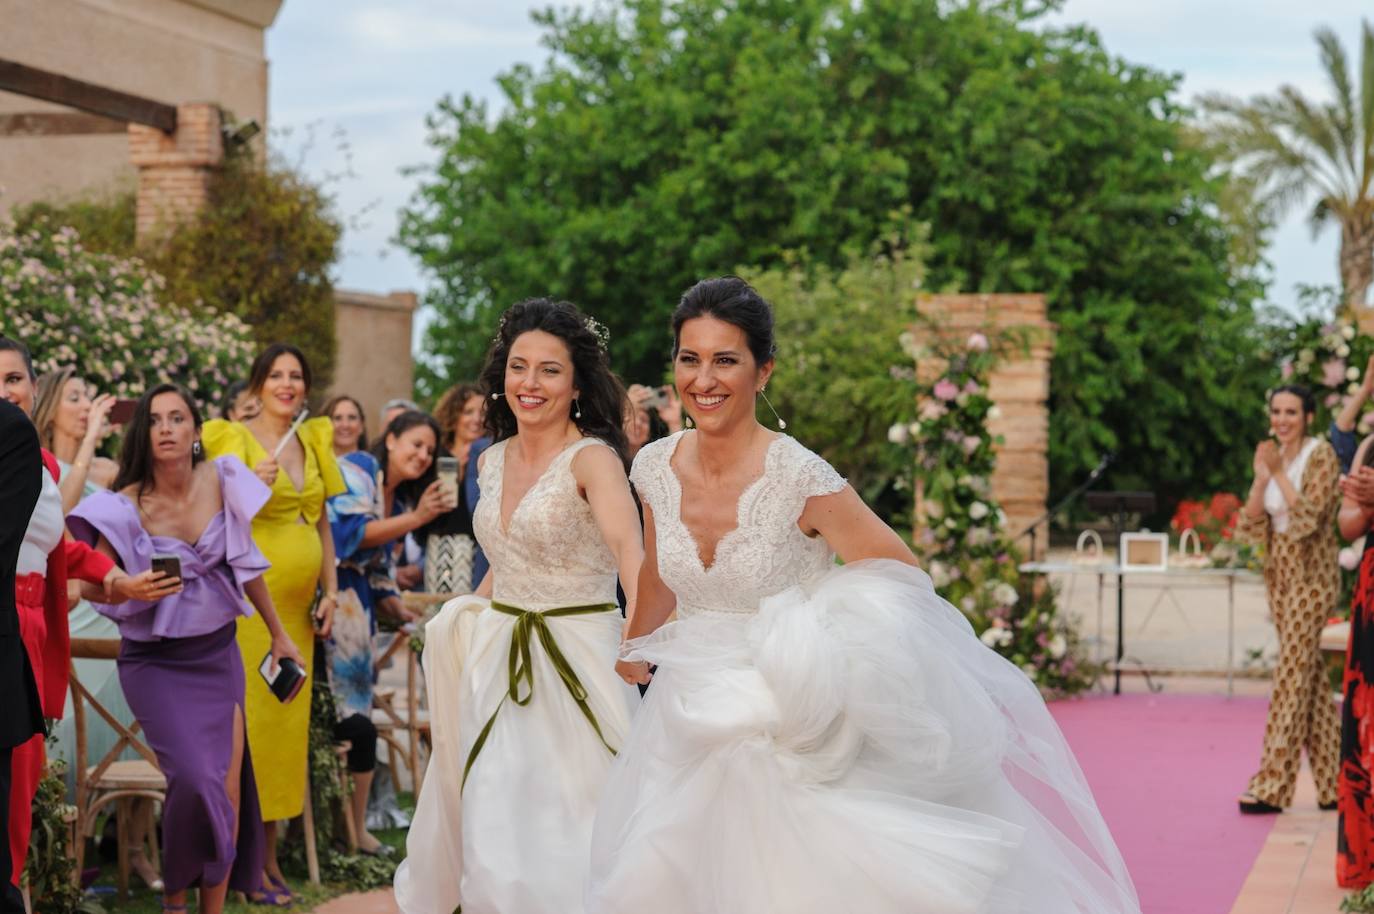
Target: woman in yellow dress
[{"x": 292, "y": 530}]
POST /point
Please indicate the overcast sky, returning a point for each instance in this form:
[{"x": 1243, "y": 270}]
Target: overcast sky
[{"x": 367, "y": 73}]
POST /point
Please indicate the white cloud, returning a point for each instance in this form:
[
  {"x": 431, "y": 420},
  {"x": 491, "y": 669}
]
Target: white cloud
[{"x": 398, "y": 28}]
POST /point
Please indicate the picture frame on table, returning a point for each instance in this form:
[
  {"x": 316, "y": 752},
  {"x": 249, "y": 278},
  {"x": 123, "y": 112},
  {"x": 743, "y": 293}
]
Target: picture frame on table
[{"x": 1144, "y": 551}]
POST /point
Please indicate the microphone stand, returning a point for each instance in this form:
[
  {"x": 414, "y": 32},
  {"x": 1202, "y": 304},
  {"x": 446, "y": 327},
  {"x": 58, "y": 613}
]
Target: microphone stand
[{"x": 1106, "y": 461}]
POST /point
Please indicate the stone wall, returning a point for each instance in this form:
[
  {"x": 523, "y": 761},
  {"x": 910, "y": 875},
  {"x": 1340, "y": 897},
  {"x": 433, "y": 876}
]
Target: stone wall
[
  {"x": 374, "y": 363},
  {"x": 1020, "y": 389},
  {"x": 172, "y": 51}
]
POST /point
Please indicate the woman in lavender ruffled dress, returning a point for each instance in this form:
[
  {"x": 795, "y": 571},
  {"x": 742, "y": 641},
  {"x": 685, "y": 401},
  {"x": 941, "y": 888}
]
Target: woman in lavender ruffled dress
[{"x": 179, "y": 663}]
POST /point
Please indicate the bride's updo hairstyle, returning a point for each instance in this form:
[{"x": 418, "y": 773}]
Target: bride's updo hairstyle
[
  {"x": 729, "y": 299},
  {"x": 601, "y": 397}
]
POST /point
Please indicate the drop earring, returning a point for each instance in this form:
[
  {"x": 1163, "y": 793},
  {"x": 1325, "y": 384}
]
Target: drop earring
[
  {"x": 195, "y": 449},
  {"x": 782, "y": 426},
  {"x": 577, "y": 409}
]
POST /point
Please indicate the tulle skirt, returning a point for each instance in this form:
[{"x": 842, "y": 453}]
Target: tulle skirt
[
  {"x": 516, "y": 838},
  {"x": 852, "y": 747}
]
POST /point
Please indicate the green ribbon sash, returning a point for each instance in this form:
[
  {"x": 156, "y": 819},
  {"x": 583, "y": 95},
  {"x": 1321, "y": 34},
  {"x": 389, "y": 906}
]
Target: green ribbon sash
[{"x": 520, "y": 667}]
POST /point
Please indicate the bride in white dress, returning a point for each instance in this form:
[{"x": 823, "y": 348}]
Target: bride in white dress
[
  {"x": 817, "y": 739},
  {"x": 526, "y": 709}
]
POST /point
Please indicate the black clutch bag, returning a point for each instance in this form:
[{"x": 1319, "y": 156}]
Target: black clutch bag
[{"x": 286, "y": 681}]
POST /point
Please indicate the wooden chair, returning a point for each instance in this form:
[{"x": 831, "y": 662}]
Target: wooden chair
[
  {"x": 410, "y": 718},
  {"x": 110, "y": 780},
  {"x": 312, "y": 855}
]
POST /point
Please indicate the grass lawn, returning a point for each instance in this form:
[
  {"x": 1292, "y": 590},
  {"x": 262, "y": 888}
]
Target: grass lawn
[{"x": 143, "y": 900}]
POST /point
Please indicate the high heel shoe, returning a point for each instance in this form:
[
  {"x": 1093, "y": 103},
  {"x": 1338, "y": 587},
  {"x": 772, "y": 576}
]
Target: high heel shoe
[
  {"x": 1251, "y": 805},
  {"x": 137, "y": 857}
]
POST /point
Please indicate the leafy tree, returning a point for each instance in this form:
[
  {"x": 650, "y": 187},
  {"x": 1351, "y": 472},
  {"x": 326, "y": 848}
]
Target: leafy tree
[
  {"x": 665, "y": 140},
  {"x": 1293, "y": 148}
]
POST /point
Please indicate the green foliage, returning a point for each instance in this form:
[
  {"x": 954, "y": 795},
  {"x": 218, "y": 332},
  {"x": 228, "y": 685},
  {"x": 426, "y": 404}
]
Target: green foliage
[
  {"x": 665, "y": 140},
  {"x": 1361, "y": 902},
  {"x": 971, "y": 559},
  {"x": 110, "y": 317},
  {"x": 105, "y": 222},
  {"x": 262, "y": 249},
  {"x": 842, "y": 377},
  {"x": 48, "y": 868},
  {"x": 358, "y": 872}
]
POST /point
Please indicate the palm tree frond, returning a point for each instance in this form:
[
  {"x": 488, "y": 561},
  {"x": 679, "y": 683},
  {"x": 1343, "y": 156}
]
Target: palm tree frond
[{"x": 1366, "y": 179}]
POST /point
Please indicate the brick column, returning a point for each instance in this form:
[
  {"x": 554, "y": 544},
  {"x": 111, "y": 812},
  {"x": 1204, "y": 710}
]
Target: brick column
[
  {"x": 174, "y": 169},
  {"x": 1021, "y": 389}
]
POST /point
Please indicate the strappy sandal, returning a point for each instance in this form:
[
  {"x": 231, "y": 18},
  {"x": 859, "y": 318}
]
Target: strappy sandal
[{"x": 271, "y": 898}]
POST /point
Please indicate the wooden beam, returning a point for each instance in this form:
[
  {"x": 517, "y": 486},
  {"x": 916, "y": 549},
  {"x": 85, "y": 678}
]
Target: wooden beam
[
  {"x": 83, "y": 96},
  {"x": 57, "y": 123}
]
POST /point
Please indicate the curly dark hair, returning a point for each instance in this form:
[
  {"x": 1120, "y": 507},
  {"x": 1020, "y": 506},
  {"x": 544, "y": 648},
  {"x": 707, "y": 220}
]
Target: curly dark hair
[{"x": 601, "y": 396}]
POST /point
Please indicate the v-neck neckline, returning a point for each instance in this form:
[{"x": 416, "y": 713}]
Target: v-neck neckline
[
  {"x": 299, "y": 490},
  {"x": 745, "y": 494},
  {"x": 501, "y": 517}
]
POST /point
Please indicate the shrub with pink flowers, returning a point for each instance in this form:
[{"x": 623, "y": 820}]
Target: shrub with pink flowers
[
  {"x": 963, "y": 544},
  {"x": 103, "y": 315}
]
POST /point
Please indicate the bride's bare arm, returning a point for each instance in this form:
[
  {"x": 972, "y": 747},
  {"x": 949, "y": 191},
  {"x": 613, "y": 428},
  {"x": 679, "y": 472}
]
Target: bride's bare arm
[
  {"x": 601, "y": 476},
  {"x": 852, "y": 529},
  {"x": 656, "y": 603}
]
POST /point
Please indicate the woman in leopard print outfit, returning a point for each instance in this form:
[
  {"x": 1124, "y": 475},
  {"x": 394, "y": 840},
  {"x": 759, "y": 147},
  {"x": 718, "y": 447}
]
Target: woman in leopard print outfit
[{"x": 1291, "y": 512}]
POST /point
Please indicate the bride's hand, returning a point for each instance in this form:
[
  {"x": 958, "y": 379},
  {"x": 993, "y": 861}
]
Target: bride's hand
[{"x": 635, "y": 672}]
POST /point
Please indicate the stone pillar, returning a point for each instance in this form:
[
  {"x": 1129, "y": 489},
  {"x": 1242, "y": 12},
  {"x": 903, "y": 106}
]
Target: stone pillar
[
  {"x": 373, "y": 363},
  {"x": 174, "y": 169},
  {"x": 1021, "y": 389}
]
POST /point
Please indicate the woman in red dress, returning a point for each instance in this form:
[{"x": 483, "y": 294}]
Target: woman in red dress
[
  {"x": 1355, "y": 836},
  {"x": 47, "y": 558}
]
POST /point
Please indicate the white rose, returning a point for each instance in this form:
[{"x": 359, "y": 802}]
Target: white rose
[
  {"x": 1348, "y": 331},
  {"x": 967, "y": 604},
  {"x": 939, "y": 575},
  {"x": 898, "y": 434},
  {"x": 1352, "y": 373},
  {"x": 934, "y": 511},
  {"x": 1058, "y": 646},
  {"x": 962, "y": 399},
  {"x": 951, "y": 523},
  {"x": 990, "y": 637},
  {"x": 994, "y": 411},
  {"x": 978, "y": 510},
  {"x": 1343, "y": 350},
  {"x": 1005, "y": 594},
  {"x": 1306, "y": 355}
]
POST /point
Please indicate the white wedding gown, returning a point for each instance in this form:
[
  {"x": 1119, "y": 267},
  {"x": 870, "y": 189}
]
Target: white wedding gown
[
  {"x": 514, "y": 839},
  {"x": 823, "y": 740}
]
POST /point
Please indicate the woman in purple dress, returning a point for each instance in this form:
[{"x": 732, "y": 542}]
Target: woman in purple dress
[{"x": 179, "y": 663}]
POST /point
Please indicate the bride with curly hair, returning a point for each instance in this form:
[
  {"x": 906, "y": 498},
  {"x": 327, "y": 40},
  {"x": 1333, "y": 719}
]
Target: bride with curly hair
[{"x": 526, "y": 709}]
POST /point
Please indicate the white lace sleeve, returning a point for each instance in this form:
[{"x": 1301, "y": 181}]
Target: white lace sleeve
[
  {"x": 814, "y": 476},
  {"x": 646, "y": 474}
]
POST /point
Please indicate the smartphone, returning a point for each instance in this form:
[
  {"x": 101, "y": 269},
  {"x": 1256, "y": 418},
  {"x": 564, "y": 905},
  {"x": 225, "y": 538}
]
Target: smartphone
[
  {"x": 169, "y": 565},
  {"x": 658, "y": 396},
  {"x": 285, "y": 681},
  {"x": 122, "y": 411},
  {"x": 448, "y": 474}
]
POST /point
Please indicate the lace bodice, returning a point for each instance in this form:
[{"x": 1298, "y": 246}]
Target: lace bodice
[
  {"x": 553, "y": 554},
  {"x": 764, "y": 555}
]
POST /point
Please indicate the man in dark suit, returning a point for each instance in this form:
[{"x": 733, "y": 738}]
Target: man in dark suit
[{"x": 21, "y": 714}]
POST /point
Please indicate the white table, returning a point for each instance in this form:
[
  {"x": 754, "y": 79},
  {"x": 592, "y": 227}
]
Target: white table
[{"x": 1171, "y": 578}]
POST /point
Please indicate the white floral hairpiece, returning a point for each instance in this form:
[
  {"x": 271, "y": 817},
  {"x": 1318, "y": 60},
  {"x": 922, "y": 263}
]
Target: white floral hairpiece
[{"x": 600, "y": 331}]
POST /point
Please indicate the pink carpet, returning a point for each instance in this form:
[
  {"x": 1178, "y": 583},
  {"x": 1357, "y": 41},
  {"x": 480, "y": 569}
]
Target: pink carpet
[{"x": 1166, "y": 770}]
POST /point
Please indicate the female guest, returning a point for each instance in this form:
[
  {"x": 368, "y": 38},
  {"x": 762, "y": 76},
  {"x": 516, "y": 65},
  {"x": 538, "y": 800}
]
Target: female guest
[
  {"x": 361, "y": 530},
  {"x": 292, "y": 530},
  {"x": 454, "y": 562},
  {"x": 1355, "y": 836},
  {"x": 47, "y": 559},
  {"x": 181, "y": 643},
  {"x": 818, "y": 739},
  {"x": 406, "y": 454},
  {"x": 525, "y": 708},
  {"x": 71, "y": 425},
  {"x": 1289, "y": 511}
]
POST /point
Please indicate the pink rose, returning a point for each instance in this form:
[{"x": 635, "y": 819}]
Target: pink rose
[
  {"x": 1287, "y": 370},
  {"x": 1333, "y": 373},
  {"x": 945, "y": 389},
  {"x": 978, "y": 343}
]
